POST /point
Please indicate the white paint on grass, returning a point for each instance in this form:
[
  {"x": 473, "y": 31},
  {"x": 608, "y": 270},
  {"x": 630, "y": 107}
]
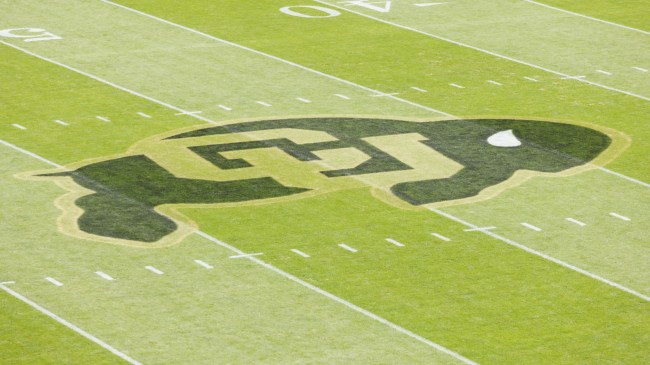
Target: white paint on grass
[
  {"x": 144, "y": 115},
  {"x": 621, "y": 217},
  {"x": 346, "y": 247},
  {"x": 54, "y": 281},
  {"x": 640, "y": 69},
  {"x": 19, "y": 126},
  {"x": 604, "y": 72},
  {"x": 396, "y": 243},
  {"x": 484, "y": 51},
  {"x": 103, "y": 119},
  {"x": 204, "y": 264},
  {"x": 380, "y": 94},
  {"x": 457, "y": 86},
  {"x": 104, "y": 276},
  {"x": 494, "y": 82},
  {"x": 630, "y": 179},
  {"x": 531, "y": 79},
  {"x": 418, "y": 89},
  {"x": 57, "y": 121},
  {"x": 342, "y": 301},
  {"x": 479, "y": 229},
  {"x": 154, "y": 270},
  {"x": 190, "y": 113},
  {"x": 31, "y": 154},
  {"x": 304, "y": 100},
  {"x": 542, "y": 255},
  {"x": 245, "y": 255},
  {"x": 576, "y": 77},
  {"x": 263, "y": 103},
  {"x": 575, "y": 221},
  {"x": 224, "y": 107},
  {"x": 530, "y": 226},
  {"x": 504, "y": 139},
  {"x": 298, "y": 252},
  {"x": 71, "y": 326},
  {"x": 345, "y": 97},
  {"x": 429, "y": 4},
  {"x": 441, "y": 237},
  {"x": 587, "y": 17}
]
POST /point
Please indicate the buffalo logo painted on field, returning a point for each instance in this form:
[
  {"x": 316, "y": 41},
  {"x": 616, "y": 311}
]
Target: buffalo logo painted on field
[{"x": 408, "y": 163}]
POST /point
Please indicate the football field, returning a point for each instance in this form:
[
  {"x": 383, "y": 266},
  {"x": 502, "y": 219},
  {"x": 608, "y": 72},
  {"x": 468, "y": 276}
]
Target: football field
[{"x": 324, "y": 182}]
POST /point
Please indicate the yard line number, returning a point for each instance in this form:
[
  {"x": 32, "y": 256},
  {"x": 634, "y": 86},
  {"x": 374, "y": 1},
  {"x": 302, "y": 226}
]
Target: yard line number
[
  {"x": 29, "y": 34},
  {"x": 310, "y": 11}
]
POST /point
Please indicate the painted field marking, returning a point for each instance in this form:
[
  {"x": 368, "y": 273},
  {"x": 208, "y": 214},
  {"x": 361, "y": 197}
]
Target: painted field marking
[
  {"x": 7, "y": 282},
  {"x": 246, "y": 255},
  {"x": 380, "y": 94},
  {"x": 104, "y": 276},
  {"x": 458, "y": 86},
  {"x": 298, "y": 252},
  {"x": 441, "y": 237},
  {"x": 57, "y": 121},
  {"x": 495, "y": 54},
  {"x": 190, "y": 113},
  {"x": 204, "y": 264},
  {"x": 396, "y": 243},
  {"x": 587, "y": 17},
  {"x": 576, "y": 77},
  {"x": 630, "y": 179},
  {"x": 575, "y": 221},
  {"x": 144, "y": 115},
  {"x": 530, "y": 226},
  {"x": 31, "y": 154},
  {"x": 304, "y": 100},
  {"x": 224, "y": 107},
  {"x": 71, "y": 326},
  {"x": 604, "y": 72},
  {"x": 19, "y": 126},
  {"x": 621, "y": 217},
  {"x": 103, "y": 119},
  {"x": 154, "y": 270},
  {"x": 479, "y": 229},
  {"x": 346, "y": 247},
  {"x": 340, "y": 300},
  {"x": 531, "y": 79},
  {"x": 342, "y": 96},
  {"x": 542, "y": 255},
  {"x": 263, "y": 103},
  {"x": 54, "y": 281},
  {"x": 640, "y": 69},
  {"x": 418, "y": 89},
  {"x": 495, "y": 82}
]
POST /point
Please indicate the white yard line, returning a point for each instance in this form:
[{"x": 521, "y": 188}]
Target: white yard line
[
  {"x": 418, "y": 89},
  {"x": 640, "y": 69},
  {"x": 346, "y": 247},
  {"x": 19, "y": 126},
  {"x": 342, "y": 96},
  {"x": 154, "y": 270},
  {"x": 495, "y": 82},
  {"x": 495, "y": 54},
  {"x": 530, "y": 226},
  {"x": 457, "y": 86},
  {"x": 621, "y": 217},
  {"x": 204, "y": 264},
  {"x": 342, "y": 301},
  {"x": 298, "y": 252},
  {"x": 144, "y": 115},
  {"x": 57, "y": 121},
  {"x": 396, "y": 243},
  {"x": 71, "y": 326},
  {"x": 246, "y": 255},
  {"x": 103, "y": 119},
  {"x": 31, "y": 154},
  {"x": 604, "y": 72},
  {"x": 54, "y": 281},
  {"x": 630, "y": 179},
  {"x": 226, "y": 108},
  {"x": 104, "y": 276},
  {"x": 263, "y": 103},
  {"x": 587, "y": 17},
  {"x": 350, "y": 83},
  {"x": 531, "y": 79},
  {"x": 304, "y": 100},
  {"x": 441, "y": 237},
  {"x": 542, "y": 255},
  {"x": 575, "y": 221}
]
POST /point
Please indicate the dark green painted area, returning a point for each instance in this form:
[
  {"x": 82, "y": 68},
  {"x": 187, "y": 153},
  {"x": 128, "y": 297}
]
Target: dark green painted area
[
  {"x": 129, "y": 188},
  {"x": 546, "y": 147}
]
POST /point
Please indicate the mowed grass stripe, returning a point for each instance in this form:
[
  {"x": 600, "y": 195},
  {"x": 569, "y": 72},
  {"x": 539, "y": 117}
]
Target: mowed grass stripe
[
  {"x": 492, "y": 303},
  {"x": 368, "y": 58}
]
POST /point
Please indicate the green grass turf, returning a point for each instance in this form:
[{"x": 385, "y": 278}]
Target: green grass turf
[
  {"x": 487, "y": 300},
  {"x": 632, "y": 13}
]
